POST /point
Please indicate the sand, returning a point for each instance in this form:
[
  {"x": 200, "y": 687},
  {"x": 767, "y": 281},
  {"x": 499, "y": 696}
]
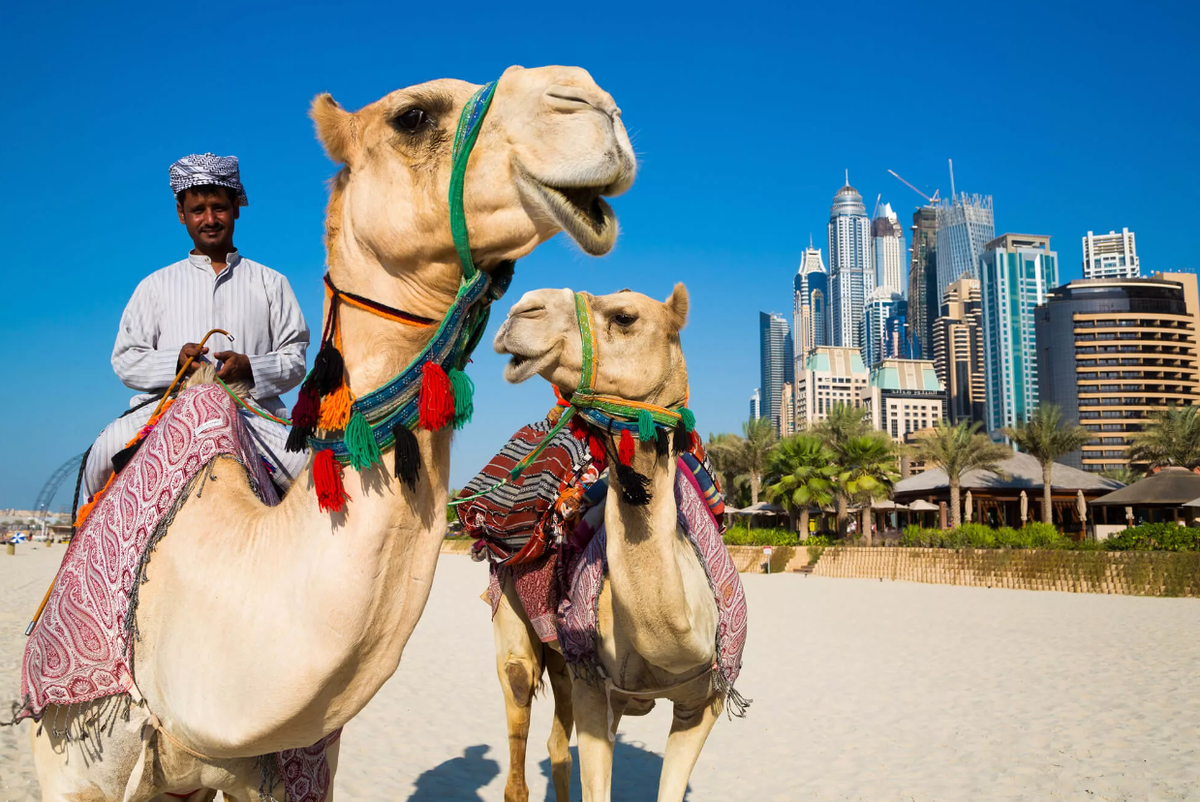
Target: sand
[{"x": 863, "y": 690}]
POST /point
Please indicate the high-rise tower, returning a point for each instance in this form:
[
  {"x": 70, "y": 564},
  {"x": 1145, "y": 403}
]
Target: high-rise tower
[
  {"x": 776, "y": 364},
  {"x": 1110, "y": 255},
  {"x": 965, "y": 225},
  {"x": 810, "y": 305},
  {"x": 888, "y": 244},
  {"x": 851, "y": 270},
  {"x": 882, "y": 306},
  {"x": 958, "y": 351},
  {"x": 923, "y": 302},
  {"x": 1015, "y": 273}
]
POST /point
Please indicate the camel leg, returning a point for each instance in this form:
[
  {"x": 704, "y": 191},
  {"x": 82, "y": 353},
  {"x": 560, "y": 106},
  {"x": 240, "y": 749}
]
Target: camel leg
[
  {"x": 591, "y": 708},
  {"x": 690, "y": 727},
  {"x": 560, "y": 731},
  {"x": 519, "y": 666}
]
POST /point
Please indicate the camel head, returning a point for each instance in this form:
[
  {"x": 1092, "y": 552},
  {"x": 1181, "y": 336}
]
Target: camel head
[
  {"x": 638, "y": 354},
  {"x": 551, "y": 147}
]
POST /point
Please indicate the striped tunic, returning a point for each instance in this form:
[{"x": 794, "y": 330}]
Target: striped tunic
[{"x": 179, "y": 304}]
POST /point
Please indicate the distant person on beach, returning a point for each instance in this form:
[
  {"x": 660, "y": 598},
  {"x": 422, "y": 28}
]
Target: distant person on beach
[{"x": 214, "y": 287}]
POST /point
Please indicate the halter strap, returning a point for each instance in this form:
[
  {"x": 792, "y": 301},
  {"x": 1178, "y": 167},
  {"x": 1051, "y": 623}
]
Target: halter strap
[{"x": 375, "y": 307}]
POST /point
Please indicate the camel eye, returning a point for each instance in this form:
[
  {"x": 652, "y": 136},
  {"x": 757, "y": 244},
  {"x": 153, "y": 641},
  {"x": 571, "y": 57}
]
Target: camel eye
[
  {"x": 411, "y": 120},
  {"x": 625, "y": 321}
]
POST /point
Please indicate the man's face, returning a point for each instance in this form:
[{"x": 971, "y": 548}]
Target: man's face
[{"x": 209, "y": 216}]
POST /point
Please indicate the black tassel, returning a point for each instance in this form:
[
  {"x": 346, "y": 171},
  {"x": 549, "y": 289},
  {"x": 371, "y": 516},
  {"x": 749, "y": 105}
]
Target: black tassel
[
  {"x": 408, "y": 455},
  {"x": 682, "y": 439},
  {"x": 634, "y": 487},
  {"x": 122, "y": 457},
  {"x": 297, "y": 439},
  {"x": 661, "y": 442},
  {"x": 328, "y": 370}
]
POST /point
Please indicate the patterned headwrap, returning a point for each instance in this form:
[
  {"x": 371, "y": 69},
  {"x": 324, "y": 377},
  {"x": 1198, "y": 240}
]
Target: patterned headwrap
[{"x": 207, "y": 169}]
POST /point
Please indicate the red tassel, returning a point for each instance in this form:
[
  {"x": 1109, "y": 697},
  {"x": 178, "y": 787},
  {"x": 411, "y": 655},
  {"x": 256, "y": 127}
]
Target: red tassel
[
  {"x": 307, "y": 410},
  {"x": 578, "y": 430},
  {"x": 436, "y": 410},
  {"x": 327, "y": 477},
  {"x": 596, "y": 446},
  {"x": 625, "y": 449}
]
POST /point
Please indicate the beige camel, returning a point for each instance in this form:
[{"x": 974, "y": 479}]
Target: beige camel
[
  {"x": 267, "y": 628},
  {"x": 657, "y": 616}
]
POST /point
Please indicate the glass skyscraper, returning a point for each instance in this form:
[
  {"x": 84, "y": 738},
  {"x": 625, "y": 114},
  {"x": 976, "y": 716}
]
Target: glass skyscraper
[
  {"x": 888, "y": 244},
  {"x": 965, "y": 225},
  {"x": 851, "y": 269},
  {"x": 1015, "y": 273},
  {"x": 776, "y": 366},
  {"x": 923, "y": 300},
  {"x": 810, "y": 303}
]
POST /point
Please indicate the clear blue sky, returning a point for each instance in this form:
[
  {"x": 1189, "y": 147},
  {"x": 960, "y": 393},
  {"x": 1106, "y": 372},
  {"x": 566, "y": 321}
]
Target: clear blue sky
[{"x": 744, "y": 117}]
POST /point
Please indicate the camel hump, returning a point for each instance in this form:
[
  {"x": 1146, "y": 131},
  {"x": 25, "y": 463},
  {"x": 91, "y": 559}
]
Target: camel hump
[{"x": 207, "y": 374}]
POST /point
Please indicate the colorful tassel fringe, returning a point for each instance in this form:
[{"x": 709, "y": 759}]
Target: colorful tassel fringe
[
  {"x": 436, "y": 409},
  {"x": 328, "y": 370},
  {"x": 687, "y": 418},
  {"x": 408, "y": 455},
  {"x": 596, "y": 446},
  {"x": 662, "y": 443},
  {"x": 360, "y": 442},
  {"x": 327, "y": 477},
  {"x": 680, "y": 439},
  {"x": 625, "y": 448},
  {"x": 335, "y": 409},
  {"x": 645, "y": 422},
  {"x": 464, "y": 397}
]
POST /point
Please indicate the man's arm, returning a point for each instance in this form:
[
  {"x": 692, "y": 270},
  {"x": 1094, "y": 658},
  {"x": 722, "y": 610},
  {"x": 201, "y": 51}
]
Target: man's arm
[
  {"x": 136, "y": 358},
  {"x": 283, "y": 368}
]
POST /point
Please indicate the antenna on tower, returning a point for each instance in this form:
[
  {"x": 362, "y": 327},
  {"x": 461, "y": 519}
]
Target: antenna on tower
[
  {"x": 810, "y": 240},
  {"x": 875, "y": 211},
  {"x": 952, "y": 195},
  {"x": 847, "y": 176}
]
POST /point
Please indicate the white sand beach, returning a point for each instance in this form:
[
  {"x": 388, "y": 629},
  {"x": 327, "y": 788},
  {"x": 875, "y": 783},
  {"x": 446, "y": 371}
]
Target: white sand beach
[{"x": 863, "y": 690}]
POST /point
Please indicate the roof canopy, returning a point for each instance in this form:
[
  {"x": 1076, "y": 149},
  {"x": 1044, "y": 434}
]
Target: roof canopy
[
  {"x": 1170, "y": 487},
  {"x": 1021, "y": 472}
]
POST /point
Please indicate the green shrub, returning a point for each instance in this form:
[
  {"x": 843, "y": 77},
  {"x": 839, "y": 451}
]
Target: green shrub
[
  {"x": 1046, "y": 536},
  {"x": 975, "y": 536},
  {"x": 1156, "y": 537},
  {"x": 742, "y": 536},
  {"x": 1009, "y": 538}
]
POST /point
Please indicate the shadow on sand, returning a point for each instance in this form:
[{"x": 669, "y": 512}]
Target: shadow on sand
[
  {"x": 635, "y": 774},
  {"x": 458, "y": 779}
]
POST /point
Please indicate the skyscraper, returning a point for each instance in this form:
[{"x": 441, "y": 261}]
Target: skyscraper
[
  {"x": 1110, "y": 255},
  {"x": 1015, "y": 273},
  {"x": 964, "y": 228},
  {"x": 776, "y": 365},
  {"x": 851, "y": 270},
  {"x": 755, "y": 405},
  {"x": 897, "y": 336},
  {"x": 881, "y": 308},
  {"x": 923, "y": 300},
  {"x": 1151, "y": 324},
  {"x": 810, "y": 303},
  {"x": 958, "y": 352},
  {"x": 888, "y": 244}
]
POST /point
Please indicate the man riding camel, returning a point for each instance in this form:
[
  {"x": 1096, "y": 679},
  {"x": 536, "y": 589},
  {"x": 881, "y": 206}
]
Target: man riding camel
[{"x": 214, "y": 287}]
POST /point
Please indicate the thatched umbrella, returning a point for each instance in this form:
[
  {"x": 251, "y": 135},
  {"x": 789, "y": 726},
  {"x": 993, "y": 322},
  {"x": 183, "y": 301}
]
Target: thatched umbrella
[
  {"x": 968, "y": 508},
  {"x": 1024, "y": 508}
]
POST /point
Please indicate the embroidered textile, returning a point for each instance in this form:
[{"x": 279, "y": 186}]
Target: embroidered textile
[
  {"x": 577, "y": 620},
  {"x": 82, "y": 647},
  {"x": 537, "y": 586}
]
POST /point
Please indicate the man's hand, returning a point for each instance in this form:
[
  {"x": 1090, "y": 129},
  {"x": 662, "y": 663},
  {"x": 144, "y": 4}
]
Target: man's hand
[
  {"x": 191, "y": 351},
  {"x": 236, "y": 366}
]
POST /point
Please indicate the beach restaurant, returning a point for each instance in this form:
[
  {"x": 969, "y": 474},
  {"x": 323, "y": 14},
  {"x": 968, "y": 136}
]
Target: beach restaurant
[{"x": 1012, "y": 496}]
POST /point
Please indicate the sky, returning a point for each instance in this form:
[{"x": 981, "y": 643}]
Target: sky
[{"x": 744, "y": 118}]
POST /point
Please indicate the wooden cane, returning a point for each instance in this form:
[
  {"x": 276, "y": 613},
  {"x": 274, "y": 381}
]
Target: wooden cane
[{"x": 182, "y": 372}]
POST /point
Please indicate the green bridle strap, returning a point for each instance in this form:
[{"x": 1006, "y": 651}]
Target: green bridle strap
[
  {"x": 469, "y": 124},
  {"x": 587, "y": 336}
]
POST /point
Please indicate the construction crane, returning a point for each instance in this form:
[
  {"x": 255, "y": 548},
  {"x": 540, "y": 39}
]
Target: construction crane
[{"x": 932, "y": 201}]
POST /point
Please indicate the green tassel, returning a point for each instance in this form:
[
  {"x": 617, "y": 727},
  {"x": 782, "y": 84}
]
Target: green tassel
[
  {"x": 645, "y": 425},
  {"x": 687, "y": 418},
  {"x": 464, "y": 397},
  {"x": 360, "y": 442}
]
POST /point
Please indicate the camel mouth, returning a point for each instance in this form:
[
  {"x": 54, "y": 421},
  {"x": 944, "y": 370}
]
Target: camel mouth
[
  {"x": 519, "y": 368},
  {"x": 580, "y": 211}
]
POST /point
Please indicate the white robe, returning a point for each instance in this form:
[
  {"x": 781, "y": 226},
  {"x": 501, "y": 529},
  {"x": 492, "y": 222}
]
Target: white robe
[{"x": 179, "y": 304}]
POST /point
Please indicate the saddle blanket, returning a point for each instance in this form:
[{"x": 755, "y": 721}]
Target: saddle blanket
[
  {"x": 82, "y": 648},
  {"x": 577, "y": 616}
]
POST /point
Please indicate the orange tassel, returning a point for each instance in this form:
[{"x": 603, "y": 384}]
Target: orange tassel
[
  {"x": 436, "y": 409},
  {"x": 335, "y": 409},
  {"x": 625, "y": 449},
  {"x": 327, "y": 477}
]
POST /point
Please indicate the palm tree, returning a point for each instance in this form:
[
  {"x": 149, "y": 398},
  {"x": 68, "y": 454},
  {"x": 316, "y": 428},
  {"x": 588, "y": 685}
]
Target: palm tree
[
  {"x": 746, "y": 454},
  {"x": 1125, "y": 475},
  {"x": 841, "y": 425},
  {"x": 1045, "y": 438},
  {"x": 1171, "y": 437},
  {"x": 806, "y": 474},
  {"x": 957, "y": 449},
  {"x": 867, "y": 471}
]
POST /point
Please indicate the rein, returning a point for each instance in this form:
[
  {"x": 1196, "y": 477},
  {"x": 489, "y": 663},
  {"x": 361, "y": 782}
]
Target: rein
[{"x": 432, "y": 392}]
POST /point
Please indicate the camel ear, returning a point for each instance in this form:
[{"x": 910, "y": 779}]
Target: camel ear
[
  {"x": 677, "y": 306},
  {"x": 335, "y": 127}
]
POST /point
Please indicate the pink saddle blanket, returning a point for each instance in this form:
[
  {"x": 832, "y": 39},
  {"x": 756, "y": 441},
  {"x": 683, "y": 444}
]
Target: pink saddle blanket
[{"x": 82, "y": 648}]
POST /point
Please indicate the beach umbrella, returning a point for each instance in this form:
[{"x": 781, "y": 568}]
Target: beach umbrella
[
  {"x": 1024, "y": 507},
  {"x": 1081, "y": 505},
  {"x": 968, "y": 508},
  {"x": 19, "y": 537},
  {"x": 1129, "y": 515}
]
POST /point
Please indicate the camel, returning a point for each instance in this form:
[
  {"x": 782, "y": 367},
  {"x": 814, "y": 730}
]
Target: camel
[
  {"x": 264, "y": 629},
  {"x": 657, "y": 616}
]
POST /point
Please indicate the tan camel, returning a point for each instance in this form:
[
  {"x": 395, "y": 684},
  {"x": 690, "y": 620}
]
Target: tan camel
[
  {"x": 268, "y": 628},
  {"x": 657, "y": 616}
]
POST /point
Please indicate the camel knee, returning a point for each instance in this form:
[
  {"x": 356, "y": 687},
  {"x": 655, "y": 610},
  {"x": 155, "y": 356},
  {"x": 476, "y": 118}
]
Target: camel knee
[{"x": 521, "y": 680}]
